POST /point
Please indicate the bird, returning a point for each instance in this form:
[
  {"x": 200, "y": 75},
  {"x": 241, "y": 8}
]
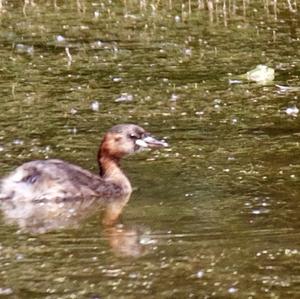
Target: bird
[{"x": 46, "y": 194}]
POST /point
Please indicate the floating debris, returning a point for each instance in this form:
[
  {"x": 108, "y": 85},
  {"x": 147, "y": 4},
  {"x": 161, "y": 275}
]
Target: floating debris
[
  {"x": 293, "y": 111},
  {"x": 260, "y": 74},
  {"x": 125, "y": 97}
]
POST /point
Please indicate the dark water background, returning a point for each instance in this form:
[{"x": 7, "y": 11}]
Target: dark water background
[{"x": 214, "y": 216}]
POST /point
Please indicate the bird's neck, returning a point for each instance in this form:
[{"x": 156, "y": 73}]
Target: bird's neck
[{"x": 110, "y": 171}]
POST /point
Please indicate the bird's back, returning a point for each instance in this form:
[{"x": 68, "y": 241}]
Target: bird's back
[
  {"x": 43, "y": 195},
  {"x": 54, "y": 180}
]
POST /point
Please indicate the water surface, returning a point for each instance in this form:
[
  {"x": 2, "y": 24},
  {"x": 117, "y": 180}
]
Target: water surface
[{"x": 214, "y": 216}]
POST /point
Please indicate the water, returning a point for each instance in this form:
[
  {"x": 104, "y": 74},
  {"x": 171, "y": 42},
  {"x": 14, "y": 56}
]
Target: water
[{"x": 214, "y": 216}]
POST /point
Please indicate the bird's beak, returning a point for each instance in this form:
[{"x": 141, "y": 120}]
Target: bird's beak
[{"x": 151, "y": 142}]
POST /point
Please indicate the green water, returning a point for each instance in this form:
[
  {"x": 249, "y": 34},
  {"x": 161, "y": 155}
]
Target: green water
[{"x": 214, "y": 216}]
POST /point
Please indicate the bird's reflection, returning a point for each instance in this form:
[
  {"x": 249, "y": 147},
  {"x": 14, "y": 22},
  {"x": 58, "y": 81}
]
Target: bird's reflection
[
  {"x": 43, "y": 217},
  {"x": 127, "y": 241},
  {"x": 44, "y": 195}
]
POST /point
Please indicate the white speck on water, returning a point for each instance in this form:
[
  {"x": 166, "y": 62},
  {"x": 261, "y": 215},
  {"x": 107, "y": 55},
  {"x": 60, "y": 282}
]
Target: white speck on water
[
  {"x": 60, "y": 279},
  {"x": 83, "y": 27},
  {"x": 73, "y": 131},
  {"x": 115, "y": 48},
  {"x": 232, "y": 290},
  {"x": 293, "y": 111},
  {"x": 177, "y": 19},
  {"x": 125, "y": 97},
  {"x": 188, "y": 194},
  {"x": 233, "y": 81},
  {"x": 174, "y": 97},
  {"x": 18, "y": 141},
  {"x": 117, "y": 79},
  {"x": 20, "y": 48},
  {"x": 47, "y": 148},
  {"x": 200, "y": 274},
  {"x": 256, "y": 212},
  {"x": 188, "y": 52},
  {"x": 19, "y": 257},
  {"x": 1, "y": 148},
  {"x": 73, "y": 111},
  {"x": 290, "y": 252},
  {"x": 234, "y": 121},
  {"x": 96, "y": 14},
  {"x": 97, "y": 44},
  {"x": 133, "y": 275},
  {"x": 95, "y": 105},
  {"x": 146, "y": 240},
  {"x": 60, "y": 38}
]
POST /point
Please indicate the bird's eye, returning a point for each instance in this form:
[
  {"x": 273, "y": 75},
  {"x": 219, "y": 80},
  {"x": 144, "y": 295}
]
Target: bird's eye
[{"x": 133, "y": 136}]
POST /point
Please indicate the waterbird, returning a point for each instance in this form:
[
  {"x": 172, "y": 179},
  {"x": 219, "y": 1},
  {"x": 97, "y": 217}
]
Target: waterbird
[{"x": 47, "y": 194}]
